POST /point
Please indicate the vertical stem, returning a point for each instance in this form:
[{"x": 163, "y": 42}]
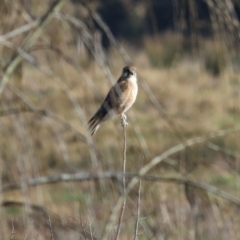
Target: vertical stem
[
  {"x": 138, "y": 210},
  {"x": 123, "y": 181}
]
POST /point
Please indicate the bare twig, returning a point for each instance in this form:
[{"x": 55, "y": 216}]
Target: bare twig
[
  {"x": 72, "y": 63},
  {"x": 83, "y": 227},
  {"x": 12, "y": 232},
  {"x": 109, "y": 34},
  {"x": 115, "y": 176},
  {"x": 138, "y": 210},
  {"x": 123, "y": 182},
  {"x": 51, "y": 230},
  {"x": 19, "y": 30},
  {"x": 88, "y": 41},
  {"x": 8, "y": 70},
  {"x": 66, "y": 90},
  {"x": 228, "y": 152}
]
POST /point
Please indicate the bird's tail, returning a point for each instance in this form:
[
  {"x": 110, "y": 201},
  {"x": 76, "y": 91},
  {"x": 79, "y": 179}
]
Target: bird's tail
[
  {"x": 98, "y": 117},
  {"x": 101, "y": 115},
  {"x": 94, "y": 123}
]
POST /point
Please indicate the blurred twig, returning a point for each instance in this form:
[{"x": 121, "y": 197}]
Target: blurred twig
[
  {"x": 88, "y": 41},
  {"x": 51, "y": 230},
  {"x": 123, "y": 181},
  {"x": 28, "y": 42},
  {"x": 20, "y": 30},
  {"x": 109, "y": 34},
  {"x": 70, "y": 61},
  {"x": 65, "y": 89},
  {"x": 228, "y": 152},
  {"x": 12, "y": 232},
  {"x": 225, "y": 22},
  {"x": 138, "y": 210},
  {"x": 116, "y": 176}
]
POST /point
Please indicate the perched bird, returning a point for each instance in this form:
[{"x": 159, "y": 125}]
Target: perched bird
[{"x": 119, "y": 99}]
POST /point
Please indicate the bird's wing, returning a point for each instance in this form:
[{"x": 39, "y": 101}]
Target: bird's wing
[{"x": 123, "y": 84}]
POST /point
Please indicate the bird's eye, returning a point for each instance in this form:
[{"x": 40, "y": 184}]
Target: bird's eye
[
  {"x": 128, "y": 72},
  {"x": 125, "y": 72}
]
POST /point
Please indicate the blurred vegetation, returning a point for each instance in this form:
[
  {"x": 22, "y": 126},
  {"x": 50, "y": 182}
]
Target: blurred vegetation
[
  {"x": 215, "y": 59},
  {"x": 186, "y": 54},
  {"x": 165, "y": 50}
]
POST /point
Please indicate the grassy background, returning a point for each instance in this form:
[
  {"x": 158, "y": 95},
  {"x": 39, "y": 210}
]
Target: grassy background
[{"x": 199, "y": 93}]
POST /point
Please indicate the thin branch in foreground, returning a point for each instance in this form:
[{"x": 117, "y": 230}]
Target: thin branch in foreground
[
  {"x": 11, "y": 66},
  {"x": 138, "y": 210},
  {"x": 12, "y": 232},
  {"x": 115, "y": 176},
  {"x": 225, "y": 151},
  {"x": 51, "y": 230},
  {"x": 19, "y": 30},
  {"x": 123, "y": 182},
  {"x": 66, "y": 90},
  {"x": 72, "y": 63},
  {"x": 109, "y": 34},
  {"x": 88, "y": 41}
]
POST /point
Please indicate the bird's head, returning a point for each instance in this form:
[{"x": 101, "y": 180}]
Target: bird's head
[{"x": 129, "y": 71}]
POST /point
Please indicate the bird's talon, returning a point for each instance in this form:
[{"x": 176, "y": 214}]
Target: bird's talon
[{"x": 123, "y": 120}]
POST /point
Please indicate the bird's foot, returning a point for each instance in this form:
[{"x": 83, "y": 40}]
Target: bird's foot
[{"x": 124, "y": 120}]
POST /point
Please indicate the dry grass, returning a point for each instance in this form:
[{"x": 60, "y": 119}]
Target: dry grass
[
  {"x": 198, "y": 104},
  {"x": 34, "y": 145}
]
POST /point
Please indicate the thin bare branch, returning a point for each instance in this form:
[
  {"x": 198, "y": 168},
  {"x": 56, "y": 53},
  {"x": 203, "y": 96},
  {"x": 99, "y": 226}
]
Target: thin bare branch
[
  {"x": 138, "y": 210},
  {"x": 50, "y": 225},
  {"x": 66, "y": 90},
  {"x": 72, "y": 63},
  {"x": 29, "y": 41},
  {"x": 123, "y": 182},
  {"x": 109, "y": 34},
  {"x": 12, "y": 232},
  {"x": 226, "y": 151},
  {"x": 115, "y": 176},
  {"x": 19, "y": 30},
  {"x": 88, "y": 41}
]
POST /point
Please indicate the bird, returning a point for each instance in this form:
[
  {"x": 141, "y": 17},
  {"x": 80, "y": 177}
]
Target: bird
[{"x": 119, "y": 99}]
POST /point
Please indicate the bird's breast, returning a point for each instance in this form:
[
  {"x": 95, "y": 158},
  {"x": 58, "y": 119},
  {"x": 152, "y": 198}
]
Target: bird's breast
[{"x": 128, "y": 96}]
